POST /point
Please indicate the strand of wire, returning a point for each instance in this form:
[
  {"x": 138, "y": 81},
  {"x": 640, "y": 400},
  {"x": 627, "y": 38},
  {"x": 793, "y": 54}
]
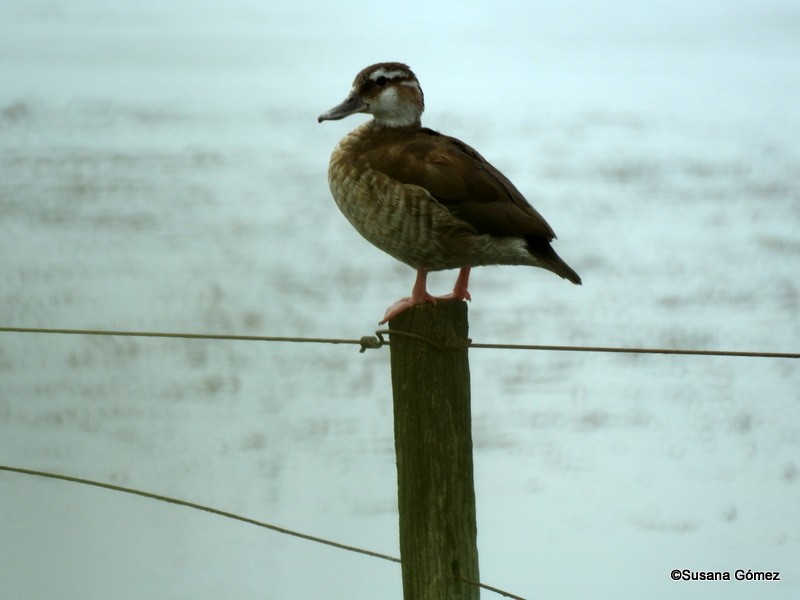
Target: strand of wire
[
  {"x": 213, "y": 511},
  {"x": 489, "y": 588},
  {"x": 377, "y": 341},
  {"x": 235, "y": 517}
]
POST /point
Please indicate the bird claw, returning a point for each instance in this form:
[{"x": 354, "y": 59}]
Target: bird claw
[
  {"x": 404, "y": 304},
  {"x": 455, "y": 295},
  {"x": 419, "y": 295}
]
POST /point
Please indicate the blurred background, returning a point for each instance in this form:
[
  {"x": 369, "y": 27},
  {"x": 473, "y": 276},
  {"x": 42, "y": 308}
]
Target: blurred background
[{"x": 161, "y": 168}]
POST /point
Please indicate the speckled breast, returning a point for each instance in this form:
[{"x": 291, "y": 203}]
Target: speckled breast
[{"x": 402, "y": 220}]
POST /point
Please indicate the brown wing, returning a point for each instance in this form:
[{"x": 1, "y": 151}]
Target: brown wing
[{"x": 463, "y": 181}]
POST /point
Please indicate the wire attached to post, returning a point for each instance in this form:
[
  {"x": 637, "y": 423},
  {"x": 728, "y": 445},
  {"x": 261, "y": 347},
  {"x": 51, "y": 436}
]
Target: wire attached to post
[{"x": 377, "y": 341}]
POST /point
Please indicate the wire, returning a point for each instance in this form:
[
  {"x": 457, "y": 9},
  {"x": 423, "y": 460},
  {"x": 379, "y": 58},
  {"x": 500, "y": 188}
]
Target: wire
[
  {"x": 208, "y": 509},
  {"x": 190, "y": 336},
  {"x": 377, "y": 341},
  {"x": 617, "y": 350},
  {"x": 214, "y": 511},
  {"x": 228, "y": 515},
  {"x": 490, "y": 588}
]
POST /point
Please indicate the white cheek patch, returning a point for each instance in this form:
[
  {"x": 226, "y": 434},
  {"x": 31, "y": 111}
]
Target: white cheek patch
[
  {"x": 392, "y": 110},
  {"x": 397, "y": 101},
  {"x": 388, "y": 97}
]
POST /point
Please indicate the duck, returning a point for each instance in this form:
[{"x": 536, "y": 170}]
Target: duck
[{"x": 429, "y": 200}]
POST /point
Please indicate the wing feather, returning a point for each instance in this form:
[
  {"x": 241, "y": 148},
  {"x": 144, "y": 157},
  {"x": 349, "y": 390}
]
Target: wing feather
[{"x": 463, "y": 181}]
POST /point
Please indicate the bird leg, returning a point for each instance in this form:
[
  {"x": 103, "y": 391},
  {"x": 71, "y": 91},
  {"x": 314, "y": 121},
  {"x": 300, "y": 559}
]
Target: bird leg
[
  {"x": 419, "y": 294},
  {"x": 460, "y": 288}
]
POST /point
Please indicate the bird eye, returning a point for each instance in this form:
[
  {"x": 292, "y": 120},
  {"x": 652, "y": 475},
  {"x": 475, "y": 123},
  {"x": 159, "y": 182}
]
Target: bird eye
[{"x": 381, "y": 81}]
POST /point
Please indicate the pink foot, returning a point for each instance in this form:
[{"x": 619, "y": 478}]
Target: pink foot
[
  {"x": 420, "y": 295},
  {"x": 404, "y": 304},
  {"x": 460, "y": 288},
  {"x": 455, "y": 295}
]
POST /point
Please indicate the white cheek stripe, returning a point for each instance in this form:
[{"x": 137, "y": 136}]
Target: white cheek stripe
[
  {"x": 388, "y": 74},
  {"x": 411, "y": 84}
]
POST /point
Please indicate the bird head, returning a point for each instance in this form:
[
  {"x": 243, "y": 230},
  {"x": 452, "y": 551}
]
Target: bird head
[{"x": 390, "y": 92}]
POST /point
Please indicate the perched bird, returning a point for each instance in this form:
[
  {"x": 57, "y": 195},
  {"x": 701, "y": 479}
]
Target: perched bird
[{"x": 428, "y": 199}]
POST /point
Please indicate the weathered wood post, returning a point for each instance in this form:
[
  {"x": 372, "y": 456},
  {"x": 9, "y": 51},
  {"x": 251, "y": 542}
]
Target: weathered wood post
[{"x": 433, "y": 444}]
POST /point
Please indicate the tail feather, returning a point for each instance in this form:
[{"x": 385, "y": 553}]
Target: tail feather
[{"x": 543, "y": 251}]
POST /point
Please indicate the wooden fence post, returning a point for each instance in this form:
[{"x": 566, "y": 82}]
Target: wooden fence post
[{"x": 433, "y": 444}]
